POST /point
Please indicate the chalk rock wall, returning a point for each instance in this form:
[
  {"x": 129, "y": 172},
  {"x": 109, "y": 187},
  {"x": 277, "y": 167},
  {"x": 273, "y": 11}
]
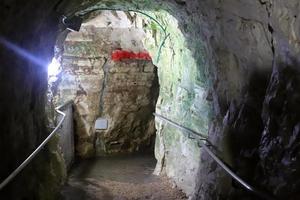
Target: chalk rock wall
[{"x": 123, "y": 92}]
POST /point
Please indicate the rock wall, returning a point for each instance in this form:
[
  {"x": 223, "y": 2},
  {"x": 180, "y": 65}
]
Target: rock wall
[
  {"x": 27, "y": 36},
  {"x": 247, "y": 40},
  {"x": 123, "y": 92},
  {"x": 182, "y": 99},
  {"x": 129, "y": 100}
]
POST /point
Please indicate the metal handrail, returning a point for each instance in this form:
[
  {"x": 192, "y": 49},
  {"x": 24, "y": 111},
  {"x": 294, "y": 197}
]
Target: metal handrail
[
  {"x": 37, "y": 150},
  {"x": 218, "y": 160}
]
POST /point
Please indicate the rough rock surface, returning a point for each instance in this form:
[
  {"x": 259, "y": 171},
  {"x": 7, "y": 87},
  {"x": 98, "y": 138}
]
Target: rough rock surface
[
  {"x": 279, "y": 145},
  {"x": 123, "y": 92},
  {"x": 129, "y": 99},
  {"x": 27, "y": 28},
  {"x": 246, "y": 39},
  {"x": 182, "y": 98}
]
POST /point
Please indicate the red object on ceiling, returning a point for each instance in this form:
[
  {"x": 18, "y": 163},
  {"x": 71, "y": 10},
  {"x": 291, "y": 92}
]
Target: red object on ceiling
[{"x": 119, "y": 55}]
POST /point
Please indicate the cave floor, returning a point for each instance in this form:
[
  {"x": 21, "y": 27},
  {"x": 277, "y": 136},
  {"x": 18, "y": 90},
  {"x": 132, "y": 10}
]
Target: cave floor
[{"x": 126, "y": 177}]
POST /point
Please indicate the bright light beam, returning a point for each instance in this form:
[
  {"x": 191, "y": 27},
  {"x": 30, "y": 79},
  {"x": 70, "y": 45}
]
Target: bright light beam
[{"x": 22, "y": 52}]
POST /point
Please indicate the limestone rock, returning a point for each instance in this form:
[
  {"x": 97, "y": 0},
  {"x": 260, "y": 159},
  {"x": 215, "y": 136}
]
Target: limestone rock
[
  {"x": 278, "y": 150},
  {"x": 123, "y": 92}
]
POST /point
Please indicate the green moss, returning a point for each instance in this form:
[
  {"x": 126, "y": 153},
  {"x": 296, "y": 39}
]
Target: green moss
[{"x": 182, "y": 76}]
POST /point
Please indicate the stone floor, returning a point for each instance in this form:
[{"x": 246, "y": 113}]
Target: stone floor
[{"x": 118, "y": 178}]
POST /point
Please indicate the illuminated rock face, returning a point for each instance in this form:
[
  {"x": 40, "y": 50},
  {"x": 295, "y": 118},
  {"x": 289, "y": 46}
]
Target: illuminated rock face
[{"x": 124, "y": 92}]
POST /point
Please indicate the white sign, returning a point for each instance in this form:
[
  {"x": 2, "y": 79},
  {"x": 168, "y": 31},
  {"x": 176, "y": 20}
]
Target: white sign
[{"x": 101, "y": 124}]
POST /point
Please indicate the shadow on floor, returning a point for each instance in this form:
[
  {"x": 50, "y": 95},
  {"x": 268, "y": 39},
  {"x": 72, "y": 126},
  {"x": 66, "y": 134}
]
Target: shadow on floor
[{"x": 120, "y": 177}]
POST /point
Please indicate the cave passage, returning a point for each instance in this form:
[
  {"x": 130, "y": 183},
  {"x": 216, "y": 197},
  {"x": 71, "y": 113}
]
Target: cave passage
[
  {"x": 106, "y": 72},
  {"x": 226, "y": 70},
  {"x": 111, "y": 71}
]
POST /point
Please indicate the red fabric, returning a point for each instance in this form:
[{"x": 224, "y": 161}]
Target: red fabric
[{"x": 119, "y": 55}]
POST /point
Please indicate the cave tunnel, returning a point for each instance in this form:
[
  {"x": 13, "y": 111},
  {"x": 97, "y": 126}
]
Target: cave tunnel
[{"x": 177, "y": 99}]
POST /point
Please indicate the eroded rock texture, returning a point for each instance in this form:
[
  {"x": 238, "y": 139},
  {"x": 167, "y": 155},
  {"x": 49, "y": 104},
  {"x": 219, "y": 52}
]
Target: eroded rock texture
[
  {"x": 278, "y": 170},
  {"x": 249, "y": 39},
  {"x": 124, "y": 92},
  {"x": 27, "y": 30},
  {"x": 129, "y": 100}
]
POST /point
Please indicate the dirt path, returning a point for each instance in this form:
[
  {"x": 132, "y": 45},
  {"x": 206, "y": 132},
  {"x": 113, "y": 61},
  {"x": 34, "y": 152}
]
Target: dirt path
[{"x": 118, "y": 178}]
